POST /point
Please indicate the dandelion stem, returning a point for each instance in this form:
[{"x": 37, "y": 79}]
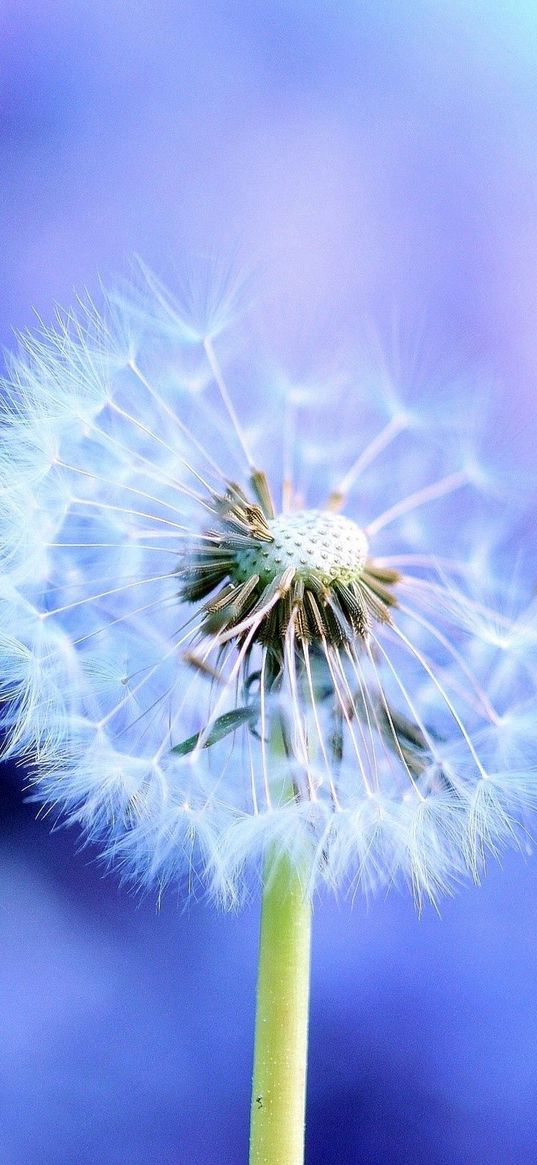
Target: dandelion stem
[{"x": 281, "y": 1040}]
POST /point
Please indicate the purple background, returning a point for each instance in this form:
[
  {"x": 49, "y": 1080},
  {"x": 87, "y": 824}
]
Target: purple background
[{"x": 372, "y": 161}]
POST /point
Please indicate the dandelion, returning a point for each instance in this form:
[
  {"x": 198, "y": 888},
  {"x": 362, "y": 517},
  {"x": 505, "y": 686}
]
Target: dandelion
[{"x": 250, "y": 626}]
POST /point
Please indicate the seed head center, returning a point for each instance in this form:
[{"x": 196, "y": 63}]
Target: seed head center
[{"x": 312, "y": 542}]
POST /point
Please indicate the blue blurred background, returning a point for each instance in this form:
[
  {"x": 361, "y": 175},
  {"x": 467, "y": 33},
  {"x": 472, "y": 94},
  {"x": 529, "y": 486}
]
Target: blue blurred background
[{"x": 375, "y": 161}]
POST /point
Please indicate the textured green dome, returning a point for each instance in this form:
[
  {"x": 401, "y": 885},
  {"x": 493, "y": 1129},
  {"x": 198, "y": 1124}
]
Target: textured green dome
[{"x": 313, "y": 542}]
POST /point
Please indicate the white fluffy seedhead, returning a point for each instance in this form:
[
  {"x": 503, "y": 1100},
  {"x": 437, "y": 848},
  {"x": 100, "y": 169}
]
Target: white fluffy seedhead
[{"x": 205, "y": 658}]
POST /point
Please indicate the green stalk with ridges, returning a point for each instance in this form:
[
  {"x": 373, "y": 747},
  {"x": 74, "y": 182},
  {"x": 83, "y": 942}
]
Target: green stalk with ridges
[{"x": 281, "y": 1041}]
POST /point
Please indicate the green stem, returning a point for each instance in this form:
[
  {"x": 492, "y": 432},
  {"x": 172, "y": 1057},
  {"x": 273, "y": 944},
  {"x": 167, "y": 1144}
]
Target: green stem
[{"x": 281, "y": 1039}]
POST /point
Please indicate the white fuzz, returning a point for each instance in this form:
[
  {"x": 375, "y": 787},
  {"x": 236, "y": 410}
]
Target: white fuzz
[{"x": 204, "y": 658}]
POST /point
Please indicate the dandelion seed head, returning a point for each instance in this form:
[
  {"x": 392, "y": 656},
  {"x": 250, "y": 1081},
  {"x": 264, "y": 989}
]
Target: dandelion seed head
[{"x": 240, "y": 611}]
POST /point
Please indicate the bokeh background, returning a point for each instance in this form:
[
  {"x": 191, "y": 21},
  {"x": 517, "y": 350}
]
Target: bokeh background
[{"x": 369, "y": 161}]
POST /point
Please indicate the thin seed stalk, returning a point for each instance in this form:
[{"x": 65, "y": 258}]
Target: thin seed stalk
[{"x": 281, "y": 1035}]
